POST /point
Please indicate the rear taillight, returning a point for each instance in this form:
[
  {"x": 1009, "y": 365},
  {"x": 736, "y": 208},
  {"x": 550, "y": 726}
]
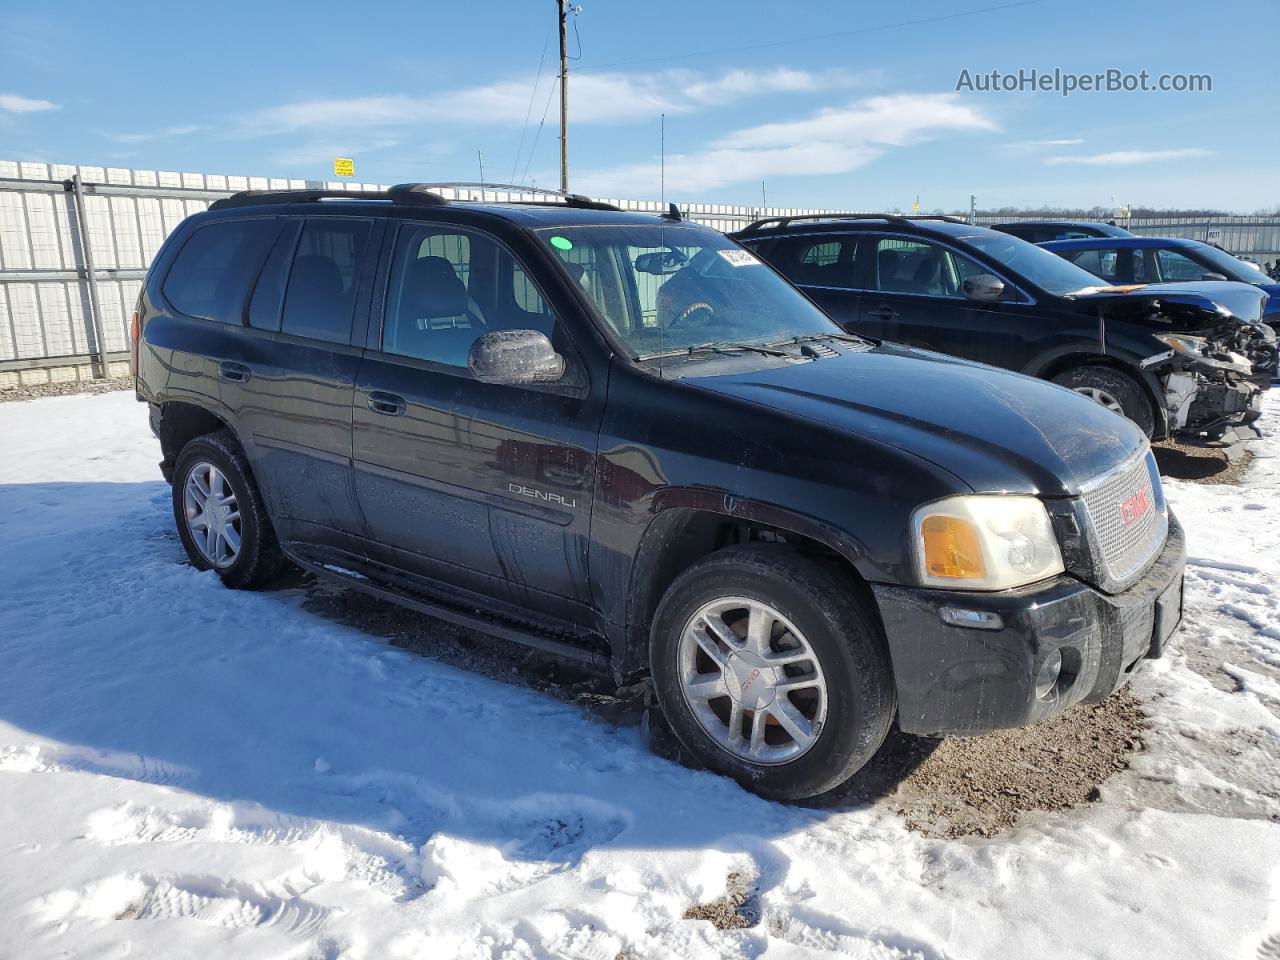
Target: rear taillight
[{"x": 135, "y": 338}]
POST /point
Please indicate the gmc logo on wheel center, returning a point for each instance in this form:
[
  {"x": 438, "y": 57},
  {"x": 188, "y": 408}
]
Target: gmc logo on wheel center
[{"x": 1134, "y": 507}]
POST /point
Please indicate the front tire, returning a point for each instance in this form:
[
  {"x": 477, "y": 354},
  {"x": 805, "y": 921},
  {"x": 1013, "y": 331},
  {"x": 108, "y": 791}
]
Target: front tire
[
  {"x": 772, "y": 670},
  {"x": 1114, "y": 390},
  {"x": 219, "y": 513}
]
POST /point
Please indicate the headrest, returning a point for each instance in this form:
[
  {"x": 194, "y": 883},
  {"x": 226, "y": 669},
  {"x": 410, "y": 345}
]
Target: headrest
[
  {"x": 317, "y": 275},
  {"x": 432, "y": 290}
]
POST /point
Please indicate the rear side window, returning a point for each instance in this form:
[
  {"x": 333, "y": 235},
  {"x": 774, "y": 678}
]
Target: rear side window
[
  {"x": 212, "y": 272},
  {"x": 320, "y": 297},
  {"x": 816, "y": 261}
]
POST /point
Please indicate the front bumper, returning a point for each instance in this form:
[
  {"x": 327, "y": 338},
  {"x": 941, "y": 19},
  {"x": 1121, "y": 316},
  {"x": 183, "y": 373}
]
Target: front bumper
[{"x": 960, "y": 680}]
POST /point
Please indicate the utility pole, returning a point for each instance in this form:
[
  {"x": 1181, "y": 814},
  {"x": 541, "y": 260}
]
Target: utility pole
[
  {"x": 973, "y": 209},
  {"x": 564, "y": 102}
]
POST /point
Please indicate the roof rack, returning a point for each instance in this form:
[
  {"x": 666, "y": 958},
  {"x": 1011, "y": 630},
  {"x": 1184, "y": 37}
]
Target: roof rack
[
  {"x": 422, "y": 194},
  {"x": 400, "y": 193},
  {"x": 895, "y": 218},
  {"x": 567, "y": 199}
]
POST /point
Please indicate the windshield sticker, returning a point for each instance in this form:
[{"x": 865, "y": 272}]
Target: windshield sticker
[
  {"x": 738, "y": 258},
  {"x": 562, "y": 243}
]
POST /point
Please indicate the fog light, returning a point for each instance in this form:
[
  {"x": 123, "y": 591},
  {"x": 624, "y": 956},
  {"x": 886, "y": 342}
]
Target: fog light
[{"x": 1049, "y": 673}]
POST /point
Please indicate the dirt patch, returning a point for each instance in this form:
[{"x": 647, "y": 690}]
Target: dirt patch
[
  {"x": 1200, "y": 464},
  {"x": 38, "y": 390},
  {"x": 981, "y": 785},
  {"x": 736, "y": 910}
]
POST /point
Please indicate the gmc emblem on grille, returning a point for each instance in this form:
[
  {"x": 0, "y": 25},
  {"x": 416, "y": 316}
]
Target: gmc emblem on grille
[{"x": 1133, "y": 508}]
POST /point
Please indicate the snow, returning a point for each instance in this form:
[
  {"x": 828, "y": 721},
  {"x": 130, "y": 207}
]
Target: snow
[{"x": 187, "y": 771}]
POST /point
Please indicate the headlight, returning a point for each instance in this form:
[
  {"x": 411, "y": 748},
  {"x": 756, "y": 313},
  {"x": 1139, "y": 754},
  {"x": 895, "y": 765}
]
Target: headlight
[
  {"x": 984, "y": 543},
  {"x": 1181, "y": 343}
]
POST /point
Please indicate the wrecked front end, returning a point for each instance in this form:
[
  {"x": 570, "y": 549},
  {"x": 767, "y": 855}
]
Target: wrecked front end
[{"x": 1218, "y": 356}]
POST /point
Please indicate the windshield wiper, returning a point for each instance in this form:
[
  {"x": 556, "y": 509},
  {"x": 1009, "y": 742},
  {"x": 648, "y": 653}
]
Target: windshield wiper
[
  {"x": 811, "y": 337},
  {"x": 726, "y": 349}
]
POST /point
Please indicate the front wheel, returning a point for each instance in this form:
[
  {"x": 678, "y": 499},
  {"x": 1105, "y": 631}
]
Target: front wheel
[
  {"x": 772, "y": 670},
  {"x": 1114, "y": 390},
  {"x": 221, "y": 520}
]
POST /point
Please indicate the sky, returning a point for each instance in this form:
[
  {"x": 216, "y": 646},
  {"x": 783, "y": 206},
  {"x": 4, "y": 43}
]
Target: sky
[{"x": 818, "y": 103}]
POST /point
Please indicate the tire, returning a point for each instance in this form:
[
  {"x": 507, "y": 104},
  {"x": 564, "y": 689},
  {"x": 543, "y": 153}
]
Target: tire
[
  {"x": 1112, "y": 389},
  {"x": 849, "y": 704},
  {"x": 243, "y": 522}
]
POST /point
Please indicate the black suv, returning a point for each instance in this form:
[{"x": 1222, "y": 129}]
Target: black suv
[
  {"x": 623, "y": 438},
  {"x": 1174, "y": 358}
]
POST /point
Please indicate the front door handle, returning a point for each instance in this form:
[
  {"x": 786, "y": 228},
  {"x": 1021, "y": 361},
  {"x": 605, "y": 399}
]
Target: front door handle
[
  {"x": 885, "y": 312},
  {"x": 387, "y": 404},
  {"x": 233, "y": 372}
]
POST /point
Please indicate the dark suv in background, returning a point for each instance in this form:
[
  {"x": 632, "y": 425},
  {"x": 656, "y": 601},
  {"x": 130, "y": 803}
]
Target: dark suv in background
[
  {"x": 623, "y": 438},
  {"x": 1174, "y": 358},
  {"x": 1042, "y": 231}
]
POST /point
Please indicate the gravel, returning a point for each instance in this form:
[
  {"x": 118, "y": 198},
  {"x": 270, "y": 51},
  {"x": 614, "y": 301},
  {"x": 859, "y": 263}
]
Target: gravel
[
  {"x": 37, "y": 390},
  {"x": 1200, "y": 464}
]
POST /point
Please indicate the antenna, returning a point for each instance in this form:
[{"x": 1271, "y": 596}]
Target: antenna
[{"x": 564, "y": 102}]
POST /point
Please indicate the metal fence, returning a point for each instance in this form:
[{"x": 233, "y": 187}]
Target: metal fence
[{"x": 75, "y": 242}]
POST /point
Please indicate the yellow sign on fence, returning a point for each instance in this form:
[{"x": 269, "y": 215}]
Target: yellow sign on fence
[{"x": 344, "y": 167}]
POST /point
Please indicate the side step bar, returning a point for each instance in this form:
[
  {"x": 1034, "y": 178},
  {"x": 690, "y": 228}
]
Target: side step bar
[{"x": 530, "y": 636}]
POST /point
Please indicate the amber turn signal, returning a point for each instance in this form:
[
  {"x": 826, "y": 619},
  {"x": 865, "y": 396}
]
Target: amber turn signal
[{"x": 951, "y": 548}]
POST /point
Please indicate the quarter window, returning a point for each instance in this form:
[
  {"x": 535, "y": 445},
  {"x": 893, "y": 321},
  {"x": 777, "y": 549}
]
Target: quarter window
[
  {"x": 320, "y": 297},
  {"x": 211, "y": 275}
]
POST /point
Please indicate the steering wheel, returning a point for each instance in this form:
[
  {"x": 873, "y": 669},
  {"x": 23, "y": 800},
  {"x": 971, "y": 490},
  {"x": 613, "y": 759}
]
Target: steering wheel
[{"x": 689, "y": 311}]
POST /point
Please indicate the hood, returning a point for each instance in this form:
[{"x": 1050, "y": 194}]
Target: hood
[
  {"x": 995, "y": 430},
  {"x": 1180, "y": 306}
]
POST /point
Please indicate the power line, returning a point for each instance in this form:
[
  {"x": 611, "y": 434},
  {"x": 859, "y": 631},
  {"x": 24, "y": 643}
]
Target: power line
[
  {"x": 529, "y": 110},
  {"x": 538, "y": 134},
  {"x": 819, "y": 36}
]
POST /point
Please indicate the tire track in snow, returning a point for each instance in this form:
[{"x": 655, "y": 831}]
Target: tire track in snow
[{"x": 48, "y": 758}]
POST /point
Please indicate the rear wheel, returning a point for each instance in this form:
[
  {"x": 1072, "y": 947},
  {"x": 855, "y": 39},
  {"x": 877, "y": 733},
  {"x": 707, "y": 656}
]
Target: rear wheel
[
  {"x": 771, "y": 670},
  {"x": 1114, "y": 390},
  {"x": 221, "y": 520}
]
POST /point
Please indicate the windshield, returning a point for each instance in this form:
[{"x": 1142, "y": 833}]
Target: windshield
[
  {"x": 1046, "y": 270},
  {"x": 1231, "y": 267},
  {"x": 663, "y": 289}
]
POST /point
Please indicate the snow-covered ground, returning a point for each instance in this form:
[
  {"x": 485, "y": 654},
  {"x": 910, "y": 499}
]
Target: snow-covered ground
[{"x": 187, "y": 771}]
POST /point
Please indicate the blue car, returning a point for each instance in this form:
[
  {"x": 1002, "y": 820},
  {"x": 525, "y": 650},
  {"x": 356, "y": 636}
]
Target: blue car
[{"x": 1125, "y": 260}]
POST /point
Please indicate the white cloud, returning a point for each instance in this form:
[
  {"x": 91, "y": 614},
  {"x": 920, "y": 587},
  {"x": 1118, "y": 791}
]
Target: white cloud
[
  {"x": 831, "y": 141},
  {"x": 12, "y": 103},
  {"x": 1127, "y": 158},
  {"x": 165, "y": 133},
  {"x": 594, "y": 98}
]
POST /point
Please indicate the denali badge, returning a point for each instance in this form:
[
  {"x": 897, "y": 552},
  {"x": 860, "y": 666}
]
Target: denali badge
[
  {"x": 1133, "y": 508},
  {"x": 533, "y": 494}
]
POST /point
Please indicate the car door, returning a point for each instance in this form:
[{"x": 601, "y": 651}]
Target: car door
[
  {"x": 824, "y": 266},
  {"x": 480, "y": 485},
  {"x": 916, "y": 297},
  {"x": 294, "y": 373}
]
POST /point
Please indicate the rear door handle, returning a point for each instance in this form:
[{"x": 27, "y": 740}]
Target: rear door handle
[
  {"x": 387, "y": 404},
  {"x": 233, "y": 372},
  {"x": 884, "y": 312}
]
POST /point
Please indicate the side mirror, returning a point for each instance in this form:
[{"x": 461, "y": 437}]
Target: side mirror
[
  {"x": 515, "y": 357},
  {"x": 1213, "y": 276},
  {"x": 983, "y": 287}
]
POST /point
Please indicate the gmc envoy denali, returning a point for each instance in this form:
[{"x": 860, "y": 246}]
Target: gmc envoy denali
[{"x": 623, "y": 438}]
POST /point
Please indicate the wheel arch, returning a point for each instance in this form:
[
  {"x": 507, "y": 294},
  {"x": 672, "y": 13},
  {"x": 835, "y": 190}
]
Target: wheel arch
[
  {"x": 1054, "y": 366},
  {"x": 178, "y": 422},
  {"x": 680, "y": 536}
]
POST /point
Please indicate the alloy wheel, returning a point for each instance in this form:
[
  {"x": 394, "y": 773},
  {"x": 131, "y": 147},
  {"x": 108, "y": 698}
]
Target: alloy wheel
[
  {"x": 213, "y": 515},
  {"x": 752, "y": 680},
  {"x": 1101, "y": 397}
]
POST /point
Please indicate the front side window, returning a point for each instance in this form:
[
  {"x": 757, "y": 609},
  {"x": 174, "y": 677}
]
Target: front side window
[
  {"x": 321, "y": 294},
  {"x": 1176, "y": 266},
  {"x": 918, "y": 267},
  {"x": 450, "y": 286},
  {"x": 1046, "y": 270},
  {"x": 212, "y": 272},
  {"x": 663, "y": 289}
]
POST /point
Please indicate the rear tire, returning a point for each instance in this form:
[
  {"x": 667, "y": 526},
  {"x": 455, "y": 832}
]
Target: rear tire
[
  {"x": 219, "y": 513},
  {"x": 1114, "y": 390},
  {"x": 787, "y": 731}
]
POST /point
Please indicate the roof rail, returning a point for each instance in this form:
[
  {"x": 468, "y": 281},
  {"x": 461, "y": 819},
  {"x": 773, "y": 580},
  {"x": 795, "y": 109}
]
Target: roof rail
[
  {"x": 568, "y": 199},
  {"x": 401, "y": 193},
  {"x": 895, "y": 218}
]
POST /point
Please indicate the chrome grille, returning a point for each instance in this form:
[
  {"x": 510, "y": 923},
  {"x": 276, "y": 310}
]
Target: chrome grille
[{"x": 1127, "y": 543}]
